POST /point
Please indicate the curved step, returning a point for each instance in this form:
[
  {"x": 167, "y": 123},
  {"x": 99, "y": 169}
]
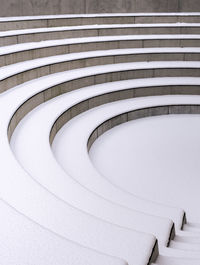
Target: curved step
[
  {"x": 16, "y": 74},
  {"x": 24, "y": 241},
  {"x": 184, "y": 246},
  {"x": 11, "y": 23},
  {"x": 39, "y": 81},
  {"x": 163, "y": 260},
  {"x": 62, "y": 184},
  {"x": 22, "y": 52},
  {"x": 29, "y": 198},
  {"x": 40, "y": 34}
]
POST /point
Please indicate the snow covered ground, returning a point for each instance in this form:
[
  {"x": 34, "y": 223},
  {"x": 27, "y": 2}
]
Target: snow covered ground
[{"x": 162, "y": 150}]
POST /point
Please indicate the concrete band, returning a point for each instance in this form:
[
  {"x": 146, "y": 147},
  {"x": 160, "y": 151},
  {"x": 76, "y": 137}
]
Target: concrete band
[
  {"x": 15, "y": 23},
  {"x": 38, "y": 7}
]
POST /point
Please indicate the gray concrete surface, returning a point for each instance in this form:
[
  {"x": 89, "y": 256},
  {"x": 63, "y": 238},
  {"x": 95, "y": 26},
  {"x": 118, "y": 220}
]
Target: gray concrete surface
[
  {"x": 18, "y": 37},
  {"x": 67, "y": 20},
  {"x": 40, "y": 7}
]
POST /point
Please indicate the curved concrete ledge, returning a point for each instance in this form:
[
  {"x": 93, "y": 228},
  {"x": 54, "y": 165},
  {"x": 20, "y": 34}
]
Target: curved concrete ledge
[
  {"x": 62, "y": 184},
  {"x": 12, "y": 23},
  {"x": 22, "y": 52},
  {"x": 196, "y": 88},
  {"x": 40, "y": 34},
  {"x": 37, "y": 203},
  {"x": 27, "y": 91},
  {"x": 98, "y": 117},
  {"x": 141, "y": 113},
  {"x": 114, "y": 91},
  {"x": 16, "y": 74},
  {"x": 71, "y": 80}
]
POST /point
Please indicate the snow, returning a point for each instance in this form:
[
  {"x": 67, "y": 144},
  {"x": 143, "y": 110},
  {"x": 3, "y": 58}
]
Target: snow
[
  {"x": 168, "y": 146},
  {"x": 74, "y": 136},
  {"x": 9, "y": 33},
  {"x": 56, "y": 207},
  {"x": 39, "y": 84},
  {"x": 13, "y": 69},
  {"x": 63, "y": 185},
  {"x": 68, "y": 163},
  {"x": 51, "y": 43},
  {"x": 20, "y": 191},
  {"x": 24, "y": 241}
]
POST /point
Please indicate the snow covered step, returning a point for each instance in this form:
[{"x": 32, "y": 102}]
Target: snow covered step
[
  {"x": 101, "y": 112},
  {"x": 62, "y": 184},
  {"x": 52, "y": 81},
  {"x": 22, "y": 240},
  {"x": 192, "y": 228},
  {"x": 70, "y": 80},
  {"x": 11, "y": 23},
  {"x": 78, "y": 143},
  {"x": 22, "y": 52},
  {"x": 191, "y": 238},
  {"x": 188, "y": 236},
  {"x": 134, "y": 204},
  {"x": 28, "y": 197},
  {"x": 40, "y": 34},
  {"x": 184, "y": 246},
  {"x": 163, "y": 260},
  {"x": 179, "y": 253},
  {"x": 15, "y": 74}
]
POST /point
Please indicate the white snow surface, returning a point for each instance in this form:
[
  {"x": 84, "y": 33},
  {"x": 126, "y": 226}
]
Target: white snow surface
[
  {"x": 50, "y": 175},
  {"x": 51, "y": 43},
  {"x": 59, "y": 206},
  {"x": 24, "y": 241},
  {"x": 162, "y": 150},
  {"x": 76, "y": 139},
  {"x": 18, "y": 32},
  {"x": 23, "y": 193},
  {"x": 13, "y": 69}
]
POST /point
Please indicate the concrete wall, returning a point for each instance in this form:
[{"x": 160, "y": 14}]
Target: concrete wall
[{"x": 39, "y": 7}]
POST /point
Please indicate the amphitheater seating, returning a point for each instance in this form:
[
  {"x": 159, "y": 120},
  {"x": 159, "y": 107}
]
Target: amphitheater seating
[
  {"x": 22, "y": 52},
  {"x": 15, "y": 74},
  {"x": 82, "y": 19},
  {"x": 57, "y": 74},
  {"x": 40, "y": 34}
]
